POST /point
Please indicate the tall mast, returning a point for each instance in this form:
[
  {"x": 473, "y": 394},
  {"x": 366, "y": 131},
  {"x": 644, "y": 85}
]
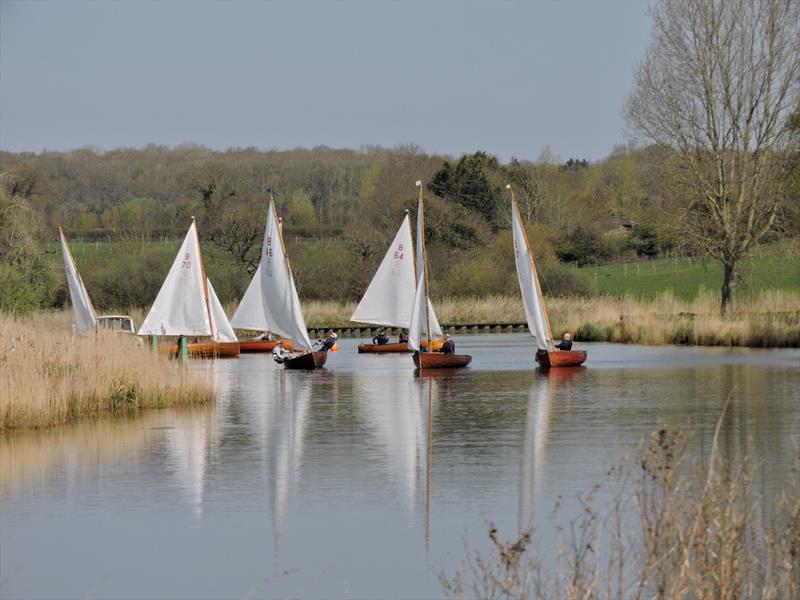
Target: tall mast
[
  {"x": 533, "y": 266},
  {"x": 425, "y": 262},
  {"x": 205, "y": 279}
]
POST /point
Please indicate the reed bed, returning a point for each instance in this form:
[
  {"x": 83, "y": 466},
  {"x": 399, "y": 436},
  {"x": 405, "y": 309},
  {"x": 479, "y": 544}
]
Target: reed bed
[
  {"x": 770, "y": 319},
  {"x": 670, "y": 529},
  {"x": 49, "y": 376}
]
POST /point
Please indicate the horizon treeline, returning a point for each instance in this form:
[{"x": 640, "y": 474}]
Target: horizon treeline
[{"x": 341, "y": 209}]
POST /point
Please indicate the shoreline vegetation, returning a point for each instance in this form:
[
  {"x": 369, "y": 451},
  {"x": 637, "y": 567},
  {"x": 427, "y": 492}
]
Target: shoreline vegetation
[
  {"x": 770, "y": 319},
  {"x": 48, "y": 376},
  {"x": 668, "y": 525}
]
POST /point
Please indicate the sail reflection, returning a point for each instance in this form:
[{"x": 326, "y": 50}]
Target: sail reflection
[
  {"x": 187, "y": 447},
  {"x": 390, "y": 406},
  {"x": 534, "y": 445}
]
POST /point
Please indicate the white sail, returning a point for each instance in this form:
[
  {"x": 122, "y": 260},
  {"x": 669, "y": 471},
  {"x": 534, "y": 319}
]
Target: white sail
[
  {"x": 85, "y": 317},
  {"x": 421, "y": 311},
  {"x": 390, "y": 295},
  {"x": 221, "y": 330},
  {"x": 531, "y": 294},
  {"x": 280, "y": 304},
  {"x": 180, "y": 307},
  {"x": 250, "y": 314}
]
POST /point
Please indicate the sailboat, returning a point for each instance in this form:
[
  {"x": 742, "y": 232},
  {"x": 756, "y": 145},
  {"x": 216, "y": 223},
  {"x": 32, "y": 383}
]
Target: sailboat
[
  {"x": 422, "y": 311},
  {"x": 532, "y": 299},
  {"x": 86, "y": 320},
  {"x": 82, "y": 309},
  {"x": 186, "y": 305},
  {"x": 276, "y": 304},
  {"x": 251, "y": 313},
  {"x": 390, "y": 295}
]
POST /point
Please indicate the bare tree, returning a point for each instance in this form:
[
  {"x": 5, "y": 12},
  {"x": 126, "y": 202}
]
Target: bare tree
[{"x": 716, "y": 86}]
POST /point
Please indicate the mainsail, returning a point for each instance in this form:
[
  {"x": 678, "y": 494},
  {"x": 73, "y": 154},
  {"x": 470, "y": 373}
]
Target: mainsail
[
  {"x": 180, "y": 307},
  {"x": 271, "y": 301},
  {"x": 85, "y": 317},
  {"x": 390, "y": 295},
  {"x": 529, "y": 284},
  {"x": 221, "y": 330}
]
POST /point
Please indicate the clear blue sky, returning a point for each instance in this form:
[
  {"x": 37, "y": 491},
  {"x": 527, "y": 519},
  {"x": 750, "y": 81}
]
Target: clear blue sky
[{"x": 508, "y": 78}]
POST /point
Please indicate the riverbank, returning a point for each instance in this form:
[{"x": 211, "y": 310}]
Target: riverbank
[
  {"x": 48, "y": 376},
  {"x": 769, "y": 320}
]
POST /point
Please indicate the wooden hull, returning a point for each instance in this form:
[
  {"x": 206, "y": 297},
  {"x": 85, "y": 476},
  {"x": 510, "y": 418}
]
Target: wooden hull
[
  {"x": 204, "y": 350},
  {"x": 439, "y": 360},
  {"x": 383, "y": 348},
  {"x": 561, "y": 358},
  {"x": 309, "y": 360},
  {"x": 262, "y": 345},
  {"x": 396, "y": 347}
]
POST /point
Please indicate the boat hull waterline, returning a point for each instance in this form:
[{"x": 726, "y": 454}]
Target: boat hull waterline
[
  {"x": 561, "y": 358},
  {"x": 248, "y": 346},
  {"x": 309, "y": 360},
  {"x": 439, "y": 360},
  {"x": 395, "y": 347}
]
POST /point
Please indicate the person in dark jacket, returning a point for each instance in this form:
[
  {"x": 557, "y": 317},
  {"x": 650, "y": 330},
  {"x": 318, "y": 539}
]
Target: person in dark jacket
[
  {"x": 449, "y": 346},
  {"x": 403, "y": 336},
  {"x": 566, "y": 343},
  {"x": 329, "y": 341},
  {"x": 381, "y": 338}
]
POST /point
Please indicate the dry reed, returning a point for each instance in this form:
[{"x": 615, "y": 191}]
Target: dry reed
[
  {"x": 48, "y": 376},
  {"x": 695, "y": 532},
  {"x": 771, "y": 319}
]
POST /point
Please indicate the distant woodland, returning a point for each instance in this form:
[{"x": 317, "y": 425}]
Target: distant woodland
[{"x": 126, "y": 210}]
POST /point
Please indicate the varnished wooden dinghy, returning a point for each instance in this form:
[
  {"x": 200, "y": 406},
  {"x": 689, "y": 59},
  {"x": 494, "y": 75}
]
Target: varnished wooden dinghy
[
  {"x": 561, "y": 358},
  {"x": 204, "y": 350},
  {"x": 439, "y": 360},
  {"x": 262, "y": 345},
  {"x": 396, "y": 347},
  {"x": 309, "y": 360}
]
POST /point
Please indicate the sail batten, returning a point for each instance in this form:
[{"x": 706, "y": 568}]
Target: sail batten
[
  {"x": 82, "y": 309},
  {"x": 180, "y": 308},
  {"x": 532, "y": 299}
]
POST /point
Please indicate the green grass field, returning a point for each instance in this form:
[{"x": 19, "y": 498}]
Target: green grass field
[{"x": 774, "y": 266}]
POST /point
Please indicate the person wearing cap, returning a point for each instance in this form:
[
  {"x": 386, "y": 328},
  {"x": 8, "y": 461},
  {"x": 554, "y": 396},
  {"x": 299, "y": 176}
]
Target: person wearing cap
[
  {"x": 449, "y": 346},
  {"x": 381, "y": 338},
  {"x": 329, "y": 341},
  {"x": 280, "y": 354},
  {"x": 566, "y": 343}
]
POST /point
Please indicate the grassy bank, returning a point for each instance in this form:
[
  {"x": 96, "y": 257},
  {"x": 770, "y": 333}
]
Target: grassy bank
[
  {"x": 49, "y": 376},
  {"x": 770, "y": 319},
  {"x": 771, "y": 266}
]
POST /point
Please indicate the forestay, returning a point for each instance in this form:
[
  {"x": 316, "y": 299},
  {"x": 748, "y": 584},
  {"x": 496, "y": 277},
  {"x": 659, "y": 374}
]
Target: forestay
[
  {"x": 528, "y": 285},
  {"x": 221, "y": 330},
  {"x": 280, "y": 306},
  {"x": 180, "y": 307},
  {"x": 83, "y": 311},
  {"x": 390, "y": 295}
]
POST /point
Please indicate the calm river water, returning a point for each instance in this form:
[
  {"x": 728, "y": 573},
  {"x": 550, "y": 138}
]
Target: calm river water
[{"x": 362, "y": 479}]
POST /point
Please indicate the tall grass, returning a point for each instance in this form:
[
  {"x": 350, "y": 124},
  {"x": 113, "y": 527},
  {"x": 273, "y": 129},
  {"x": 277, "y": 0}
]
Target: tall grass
[
  {"x": 771, "y": 319},
  {"x": 48, "y": 376},
  {"x": 672, "y": 529}
]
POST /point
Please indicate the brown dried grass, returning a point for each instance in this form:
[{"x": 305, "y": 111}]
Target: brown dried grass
[{"x": 49, "y": 376}]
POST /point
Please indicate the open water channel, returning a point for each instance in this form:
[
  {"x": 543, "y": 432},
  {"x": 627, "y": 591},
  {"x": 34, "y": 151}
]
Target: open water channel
[{"x": 363, "y": 479}]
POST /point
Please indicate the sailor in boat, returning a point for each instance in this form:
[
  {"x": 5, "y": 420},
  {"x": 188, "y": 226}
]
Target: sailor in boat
[
  {"x": 565, "y": 343},
  {"x": 329, "y": 342},
  {"x": 280, "y": 354},
  {"x": 449, "y": 346},
  {"x": 265, "y": 337},
  {"x": 381, "y": 338},
  {"x": 403, "y": 336}
]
